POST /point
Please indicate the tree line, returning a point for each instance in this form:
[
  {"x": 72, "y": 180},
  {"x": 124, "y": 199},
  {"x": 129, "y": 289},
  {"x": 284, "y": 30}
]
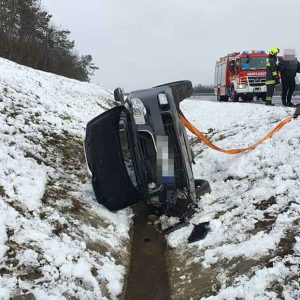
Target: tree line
[
  {"x": 28, "y": 37},
  {"x": 202, "y": 88}
]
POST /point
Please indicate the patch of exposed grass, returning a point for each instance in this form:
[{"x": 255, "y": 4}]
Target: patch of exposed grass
[
  {"x": 59, "y": 228},
  {"x": 45, "y": 197},
  {"x": 264, "y": 225},
  {"x": 2, "y": 191},
  {"x": 75, "y": 207},
  {"x": 94, "y": 271},
  {"x": 286, "y": 244},
  {"x": 10, "y": 232},
  {"x": 43, "y": 215},
  {"x": 76, "y": 204},
  {"x": 24, "y": 296},
  {"x": 263, "y": 205},
  {"x": 29, "y": 154},
  {"x": 65, "y": 117},
  {"x": 34, "y": 119},
  {"x": 98, "y": 247},
  {"x": 36, "y": 274},
  {"x": 65, "y": 210},
  {"x": 17, "y": 206},
  {"x": 14, "y": 113},
  {"x": 222, "y": 213},
  {"x": 4, "y": 271}
]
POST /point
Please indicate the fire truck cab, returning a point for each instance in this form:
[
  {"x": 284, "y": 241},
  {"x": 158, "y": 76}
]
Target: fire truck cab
[{"x": 241, "y": 75}]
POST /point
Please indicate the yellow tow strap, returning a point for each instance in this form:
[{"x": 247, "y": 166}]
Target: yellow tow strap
[{"x": 205, "y": 140}]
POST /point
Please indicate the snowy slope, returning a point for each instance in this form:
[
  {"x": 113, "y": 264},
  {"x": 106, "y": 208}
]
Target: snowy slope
[
  {"x": 56, "y": 242},
  {"x": 253, "y": 248}
]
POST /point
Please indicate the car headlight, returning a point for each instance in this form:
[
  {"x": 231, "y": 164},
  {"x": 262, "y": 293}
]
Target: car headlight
[
  {"x": 137, "y": 106},
  {"x": 242, "y": 86},
  {"x": 138, "y": 110}
]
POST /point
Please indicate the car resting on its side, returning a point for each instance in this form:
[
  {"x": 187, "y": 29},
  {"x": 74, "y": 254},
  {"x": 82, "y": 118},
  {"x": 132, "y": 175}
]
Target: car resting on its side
[{"x": 139, "y": 150}]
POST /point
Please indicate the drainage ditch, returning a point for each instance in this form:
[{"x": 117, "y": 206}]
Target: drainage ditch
[{"x": 148, "y": 276}]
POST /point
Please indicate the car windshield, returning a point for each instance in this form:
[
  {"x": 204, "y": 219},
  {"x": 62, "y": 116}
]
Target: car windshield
[{"x": 254, "y": 63}]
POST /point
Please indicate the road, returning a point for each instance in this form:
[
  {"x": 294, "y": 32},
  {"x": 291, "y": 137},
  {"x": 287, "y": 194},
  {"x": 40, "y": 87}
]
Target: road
[{"x": 276, "y": 99}]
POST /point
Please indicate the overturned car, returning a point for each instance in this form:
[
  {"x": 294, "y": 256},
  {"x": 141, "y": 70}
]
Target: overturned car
[{"x": 139, "y": 150}]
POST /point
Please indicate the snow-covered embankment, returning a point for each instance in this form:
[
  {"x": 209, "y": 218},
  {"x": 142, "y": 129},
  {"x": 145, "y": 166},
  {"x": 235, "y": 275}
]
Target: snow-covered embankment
[
  {"x": 253, "y": 248},
  {"x": 56, "y": 242}
]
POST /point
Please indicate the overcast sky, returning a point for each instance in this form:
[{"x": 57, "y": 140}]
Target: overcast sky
[{"x": 142, "y": 43}]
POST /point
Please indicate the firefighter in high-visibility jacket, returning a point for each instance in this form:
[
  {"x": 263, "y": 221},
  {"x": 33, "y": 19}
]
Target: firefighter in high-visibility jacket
[{"x": 272, "y": 74}]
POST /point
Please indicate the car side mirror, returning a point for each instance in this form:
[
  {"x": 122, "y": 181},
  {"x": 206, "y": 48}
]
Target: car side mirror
[{"x": 118, "y": 95}]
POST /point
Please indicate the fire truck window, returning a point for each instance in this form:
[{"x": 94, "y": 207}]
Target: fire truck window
[
  {"x": 216, "y": 75},
  {"x": 255, "y": 63},
  {"x": 246, "y": 66},
  {"x": 223, "y": 76}
]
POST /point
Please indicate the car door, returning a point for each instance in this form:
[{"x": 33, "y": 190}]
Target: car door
[{"x": 114, "y": 159}]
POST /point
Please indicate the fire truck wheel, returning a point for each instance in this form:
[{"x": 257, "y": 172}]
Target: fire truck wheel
[
  {"x": 222, "y": 98},
  {"x": 233, "y": 95},
  {"x": 248, "y": 97}
]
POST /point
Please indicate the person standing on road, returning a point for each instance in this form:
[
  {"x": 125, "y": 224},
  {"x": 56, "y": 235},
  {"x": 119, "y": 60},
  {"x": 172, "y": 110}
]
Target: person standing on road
[
  {"x": 272, "y": 75},
  {"x": 288, "y": 67}
]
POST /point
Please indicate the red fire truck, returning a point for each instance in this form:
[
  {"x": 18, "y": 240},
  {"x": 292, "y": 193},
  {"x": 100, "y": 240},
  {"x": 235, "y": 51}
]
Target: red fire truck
[{"x": 241, "y": 75}]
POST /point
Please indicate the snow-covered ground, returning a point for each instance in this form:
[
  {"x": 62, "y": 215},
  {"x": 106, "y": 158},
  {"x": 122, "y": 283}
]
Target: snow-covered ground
[
  {"x": 253, "y": 248},
  {"x": 56, "y": 242}
]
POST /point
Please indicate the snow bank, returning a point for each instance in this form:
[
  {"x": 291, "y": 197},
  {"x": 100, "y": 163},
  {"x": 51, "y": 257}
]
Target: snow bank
[
  {"x": 254, "y": 206},
  {"x": 56, "y": 242}
]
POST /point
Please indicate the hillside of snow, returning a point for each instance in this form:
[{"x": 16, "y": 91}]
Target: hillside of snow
[
  {"x": 56, "y": 241},
  {"x": 253, "y": 248}
]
